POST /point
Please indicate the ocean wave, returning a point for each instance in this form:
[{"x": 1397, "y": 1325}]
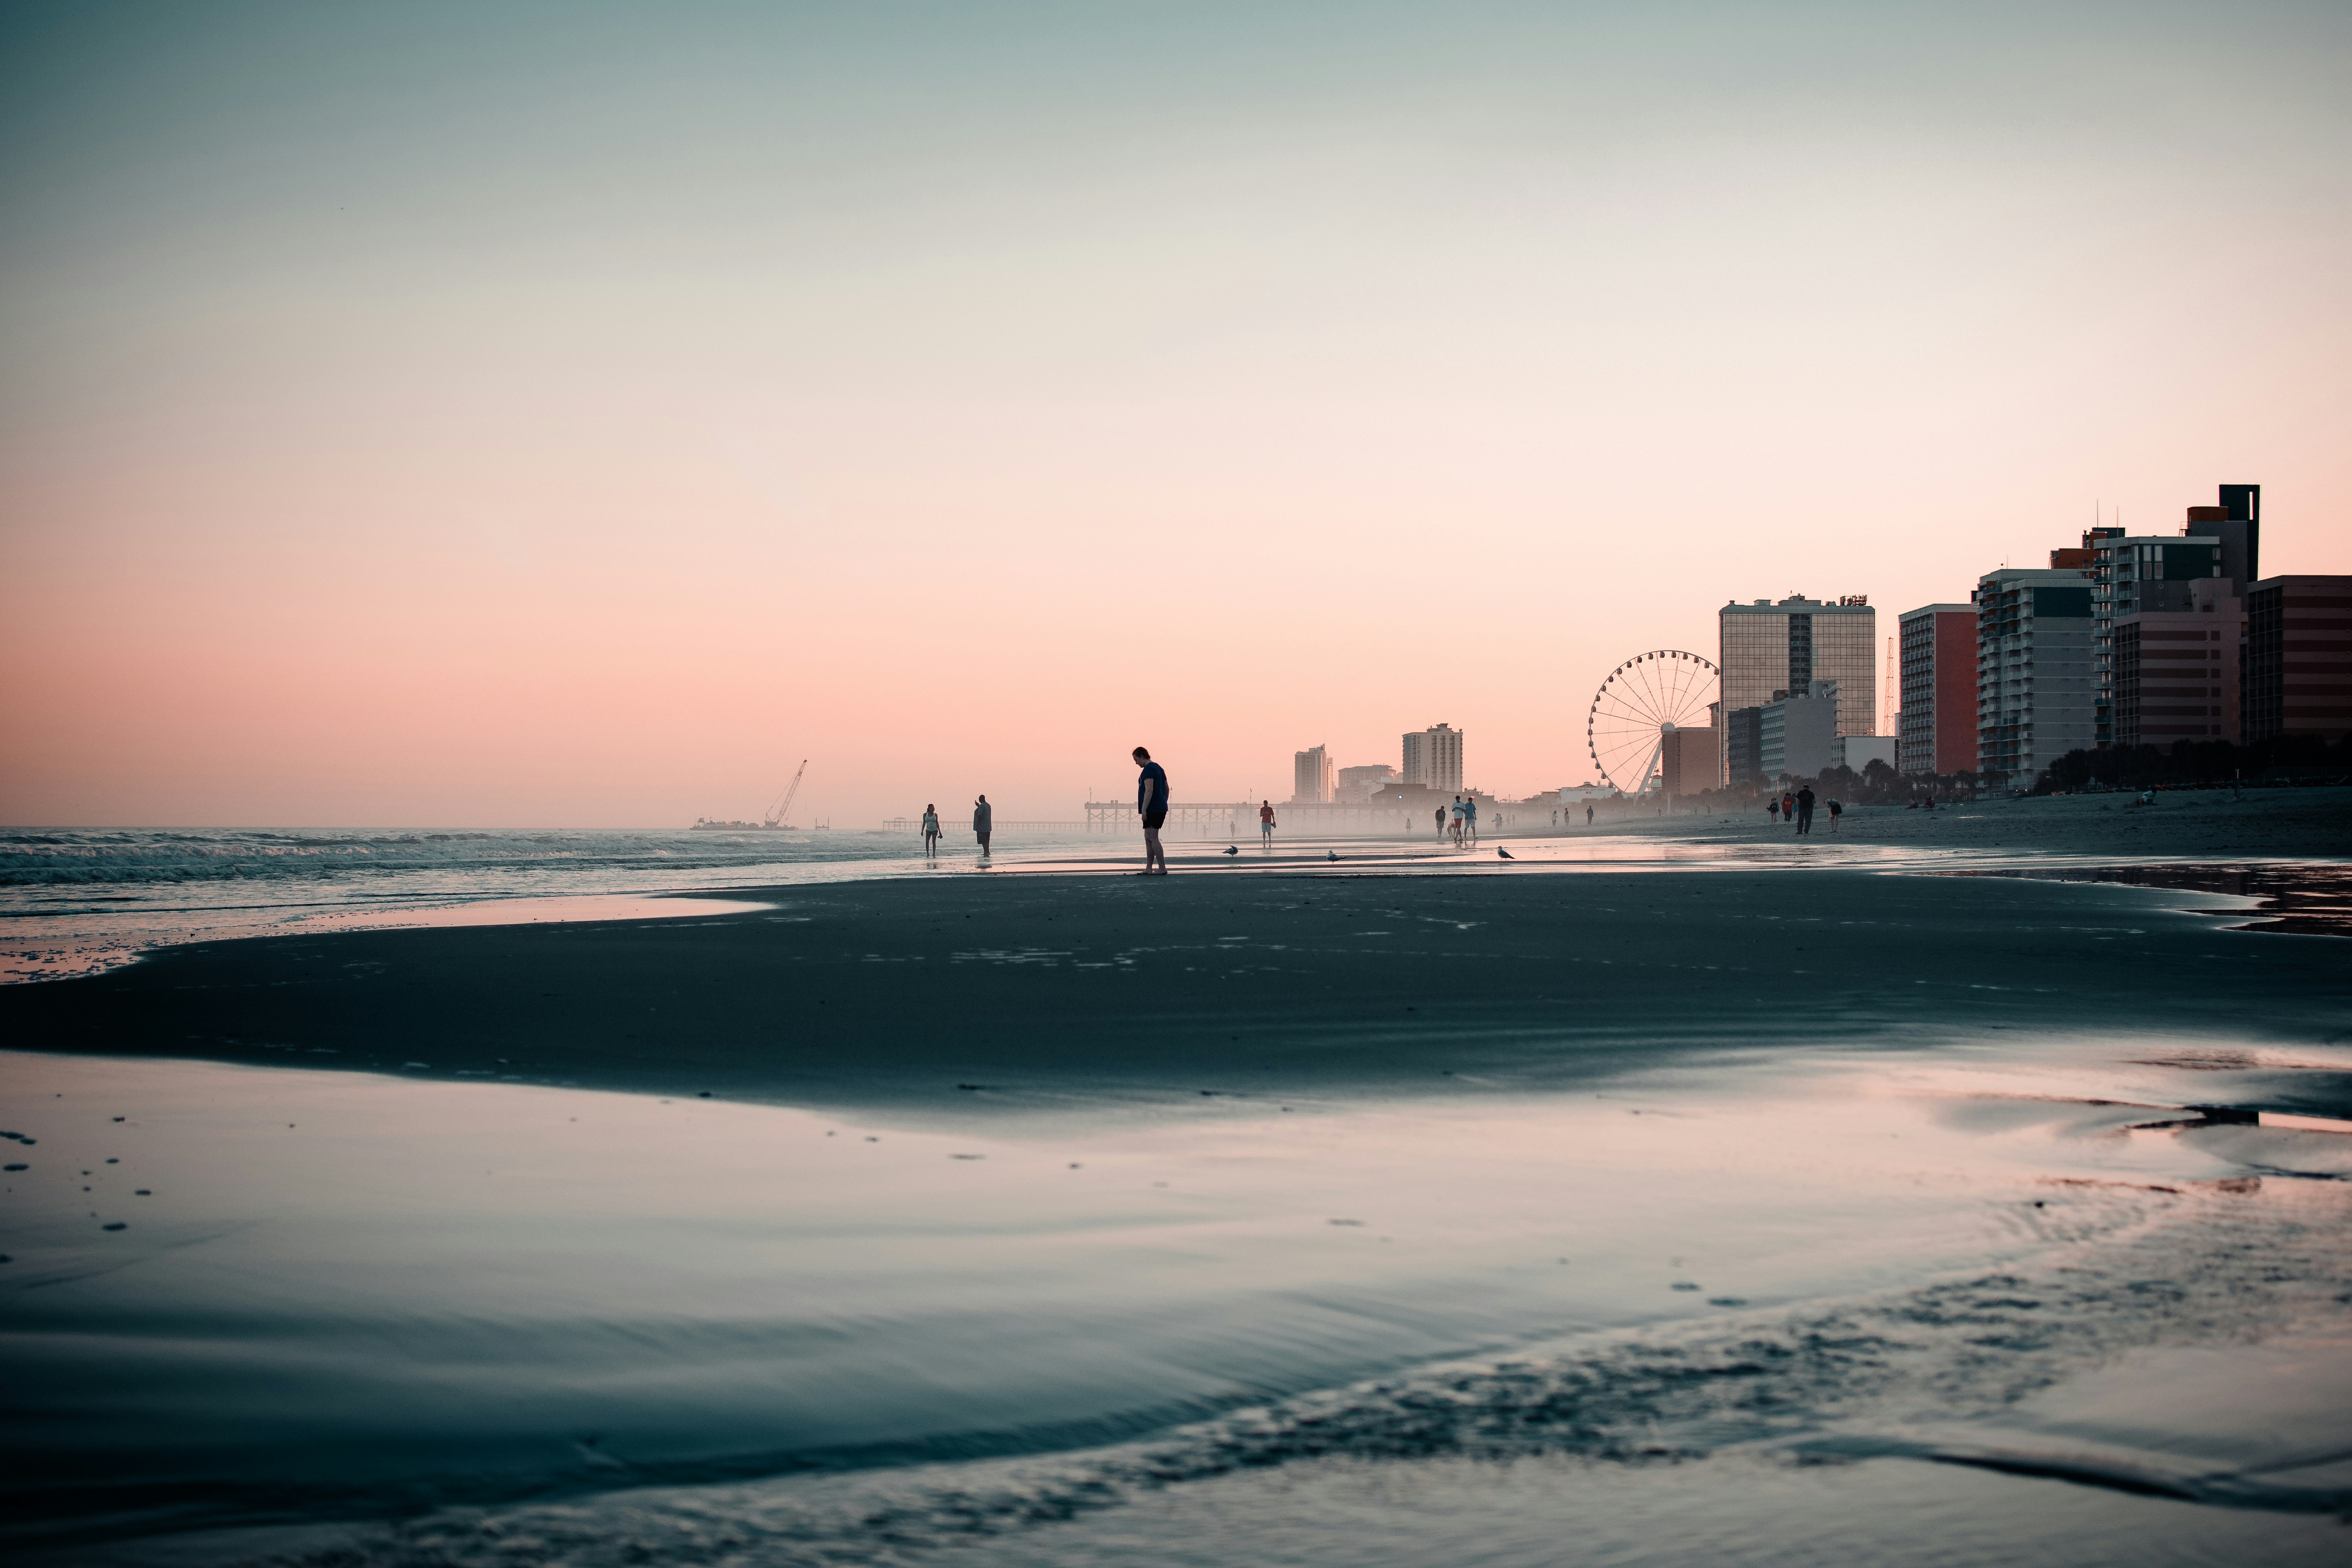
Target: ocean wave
[
  {"x": 1844, "y": 1381},
  {"x": 32, "y": 859}
]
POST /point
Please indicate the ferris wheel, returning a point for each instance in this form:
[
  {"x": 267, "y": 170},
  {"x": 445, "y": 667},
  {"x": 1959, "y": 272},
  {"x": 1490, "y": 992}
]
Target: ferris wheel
[{"x": 1642, "y": 699}]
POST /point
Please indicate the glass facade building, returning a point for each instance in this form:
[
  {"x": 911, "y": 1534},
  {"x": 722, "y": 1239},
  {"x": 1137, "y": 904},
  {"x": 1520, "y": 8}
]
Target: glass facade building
[{"x": 1769, "y": 648}]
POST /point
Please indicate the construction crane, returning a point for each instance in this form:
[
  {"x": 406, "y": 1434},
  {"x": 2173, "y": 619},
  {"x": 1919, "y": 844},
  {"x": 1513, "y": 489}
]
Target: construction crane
[{"x": 785, "y": 807}]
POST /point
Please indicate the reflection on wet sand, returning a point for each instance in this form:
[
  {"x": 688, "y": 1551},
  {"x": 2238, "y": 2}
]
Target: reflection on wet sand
[{"x": 2302, "y": 899}]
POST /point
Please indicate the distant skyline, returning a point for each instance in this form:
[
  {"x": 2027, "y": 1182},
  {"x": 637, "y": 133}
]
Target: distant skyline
[{"x": 532, "y": 415}]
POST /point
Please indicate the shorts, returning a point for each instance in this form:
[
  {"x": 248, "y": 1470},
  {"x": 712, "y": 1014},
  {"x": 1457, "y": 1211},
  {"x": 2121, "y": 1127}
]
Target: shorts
[{"x": 1153, "y": 819}]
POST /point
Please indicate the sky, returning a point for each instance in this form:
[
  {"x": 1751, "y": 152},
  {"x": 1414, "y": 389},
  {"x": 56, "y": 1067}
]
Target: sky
[{"x": 512, "y": 414}]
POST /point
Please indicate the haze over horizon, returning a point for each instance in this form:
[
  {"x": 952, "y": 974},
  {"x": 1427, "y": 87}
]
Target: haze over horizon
[{"x": 541, "y": 416}]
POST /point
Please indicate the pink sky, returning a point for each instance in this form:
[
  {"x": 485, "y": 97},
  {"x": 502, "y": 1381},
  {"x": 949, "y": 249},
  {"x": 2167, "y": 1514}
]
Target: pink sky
[{"x": 421, "y": 445}]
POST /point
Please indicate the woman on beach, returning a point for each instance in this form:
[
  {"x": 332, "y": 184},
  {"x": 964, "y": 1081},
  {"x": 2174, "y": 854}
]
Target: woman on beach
[{"x": 931, "y": 830}]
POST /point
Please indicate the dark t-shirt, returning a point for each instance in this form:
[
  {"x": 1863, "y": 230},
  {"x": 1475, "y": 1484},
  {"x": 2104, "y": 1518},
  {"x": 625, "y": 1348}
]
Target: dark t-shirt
[{"x": 1152, "y": 788}]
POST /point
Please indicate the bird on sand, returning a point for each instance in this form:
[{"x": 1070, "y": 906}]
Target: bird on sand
[
  {"x": 1330, "y": 854},
  {"x": 1232, "y": 848},
  {"x": 1505, "y": 853}
]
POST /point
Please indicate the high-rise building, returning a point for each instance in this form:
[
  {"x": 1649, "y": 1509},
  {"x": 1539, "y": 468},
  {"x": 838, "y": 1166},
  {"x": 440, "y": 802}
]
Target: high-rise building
[
  {"x": 2136, "y": 572},
  {"x": 2176, "y": 671},
  {"x": 1743, "y": 745},
  {"x": 2131, "y": 572},
  {"x": 1786, "y": 645},
  {"x": 2298, "y": 659},
  {"x": 1937, "y": 729},
  {"x": 1310, "y": 777},
  {"x": 1432, "y": 759},
  {"x": 1796, "y": 732},
  {"x": 2037, "y": 671}
]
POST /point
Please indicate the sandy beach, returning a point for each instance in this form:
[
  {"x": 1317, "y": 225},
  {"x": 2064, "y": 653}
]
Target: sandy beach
[{"x": 929, "y": 1181}]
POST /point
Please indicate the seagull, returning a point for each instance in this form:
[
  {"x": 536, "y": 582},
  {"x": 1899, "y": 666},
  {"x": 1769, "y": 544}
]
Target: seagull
[
  {"x": 1330, "y": 854},
  {"x": 1505, "y": 853},
  {"x": 1232, "y": 849}
]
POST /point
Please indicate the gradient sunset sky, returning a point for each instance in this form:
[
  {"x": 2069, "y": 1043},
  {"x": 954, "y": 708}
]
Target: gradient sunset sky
[{"x": 521, "y": 415}]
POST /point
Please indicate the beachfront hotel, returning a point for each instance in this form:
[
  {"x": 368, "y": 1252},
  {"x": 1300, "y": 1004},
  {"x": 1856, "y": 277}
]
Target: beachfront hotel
[
  {"x": 1310, "y": 777},
  {"x": 2037, "y": 676},
  {"x": 1767, "y": 649},
  {"x": 2298, "y": 657},
  {"x": 2175, "y": 671},
  {"x": 1432, "y": 759},
  {"x": 1936, "y": 729}
]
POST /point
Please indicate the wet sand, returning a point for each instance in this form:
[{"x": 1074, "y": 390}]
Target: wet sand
[
  {"x": 2263, "y": 822},
  {"x": 1026, "y": 1172},
  {"x": 967, "y": 994}
]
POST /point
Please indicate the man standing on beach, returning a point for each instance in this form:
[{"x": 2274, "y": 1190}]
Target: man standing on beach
[
  {"x": 1470, "y": 819},
  {"x": 983, "y": 818},
  {"x": 1805, "y": 808},
  {"x": 1265, "y": 822},
  {"x": 1440, "y": 822},
  {"x": 1588, "y": 814},
  {"x": 1151, "y": 803}
]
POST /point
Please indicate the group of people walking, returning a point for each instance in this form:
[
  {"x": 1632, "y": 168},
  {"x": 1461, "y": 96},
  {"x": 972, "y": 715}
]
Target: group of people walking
[
  {"x": 1461, "y": 820},
  {"x": 1797, "y": 809}
]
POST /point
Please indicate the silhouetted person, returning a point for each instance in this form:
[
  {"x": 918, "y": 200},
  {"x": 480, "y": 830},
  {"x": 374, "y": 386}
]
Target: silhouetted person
[
  {"x": 1440, "y": 822},
  {"x": 1805, "y": 809},
  {"x": 1265, "y": 822},
  {"x": 1470, "y": 818},
  {"x": 1836, "y": 811},
  {"x": 931, "y": 829},
  {"x": 1151, "y": 803},
  {"x": 1772, "y": 809},
  {"x": 1588, "y": 814},
  {"x": 983, "y": 818}
]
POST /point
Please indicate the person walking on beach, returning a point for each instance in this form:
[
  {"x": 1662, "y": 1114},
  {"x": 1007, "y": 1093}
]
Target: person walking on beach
[
  {"x": 983, "y": 818},
  {"x": 1835, "y": 812},
  {"x": 1470, "y": 819},
  {"x": 1266, "y": 824},
  {"x": 1453, "y": 822},
  {"x": 1588, "y": 814},
  {"x": 1151, "y": 803},
  {"x": 1788, "y": 807},
  {"x": 1440, "y": 822},
  {"x": 1772, "y": 809},
  {"x": 930, "y": 830},
  {"x": 1805, "y": 808}
]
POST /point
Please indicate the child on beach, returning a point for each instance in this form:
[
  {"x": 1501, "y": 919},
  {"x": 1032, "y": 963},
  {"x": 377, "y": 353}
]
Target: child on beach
[
  {"x": 931, "y": 829},
  {"x": 1772, "y": 809},
  {"x": 1151, "y": 803}
]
